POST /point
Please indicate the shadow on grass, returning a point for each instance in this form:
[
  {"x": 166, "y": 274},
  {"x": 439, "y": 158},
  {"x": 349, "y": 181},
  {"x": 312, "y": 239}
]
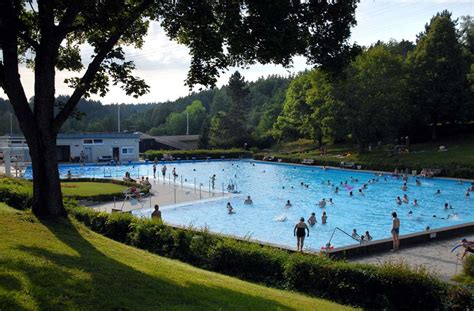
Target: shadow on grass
[{"x": 91, "y": 280}]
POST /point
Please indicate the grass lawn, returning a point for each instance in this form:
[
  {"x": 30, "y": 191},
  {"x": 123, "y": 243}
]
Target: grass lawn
[
  {"x": 58, "y": 265},
  {"x": 459, "y": 154},
  {"x": 85, "y": 189}
]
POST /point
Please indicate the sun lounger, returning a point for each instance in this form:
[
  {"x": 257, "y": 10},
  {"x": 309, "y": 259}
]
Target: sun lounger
[
  {"x": 347, "y": 164},
  {"x": 307, "y": 161}
]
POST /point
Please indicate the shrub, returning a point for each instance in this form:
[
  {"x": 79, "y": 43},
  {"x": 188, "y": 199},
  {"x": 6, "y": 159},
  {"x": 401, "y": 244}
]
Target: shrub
[
  {"x": 117, "y": 226},
  {"x": 16, "y": 193},
  {"x": 248, "y": 261},
  {"x": 199, "y": 153},
  {"x": 390, "y": 286},
  {"x": 387, "y": 287},
  {"x": 468, "y": 266},
  {"x": 459, "y": 299}
]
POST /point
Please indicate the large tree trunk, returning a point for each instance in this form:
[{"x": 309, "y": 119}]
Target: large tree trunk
[{"x": 47, "y": 196}]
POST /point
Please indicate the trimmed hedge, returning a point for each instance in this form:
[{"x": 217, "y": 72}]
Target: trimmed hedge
[
  {"x": 386, "y": 287},
  {"x": 373, "y": 287},
  {"x": 103, "y": 197},
  {"x": 199, "y": 153},
  {"x": 17, "y": 193}
]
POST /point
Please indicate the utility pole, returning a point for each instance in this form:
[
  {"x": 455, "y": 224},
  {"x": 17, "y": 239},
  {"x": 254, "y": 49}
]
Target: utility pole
[
  {"x": 118, "y": 118},
  {"x": 187, "y": 123}
]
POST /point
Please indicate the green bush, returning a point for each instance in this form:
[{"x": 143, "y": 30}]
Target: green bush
[
  {"x": 391, "y": 286},
  {"x": 468, "y": 266},
  {"x": 117, "y": 226},
  {"x": 16, "y": 193},
  {"x": 387, "y": 287},
  {"x": 248, "y": 261},
  {"x": 199, "y": 153}
]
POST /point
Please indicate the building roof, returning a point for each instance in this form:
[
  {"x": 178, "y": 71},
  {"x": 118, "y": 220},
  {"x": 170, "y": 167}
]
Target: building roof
[
  {"x": 182, "y": 142},
  {"x": 81, "y": 135}
]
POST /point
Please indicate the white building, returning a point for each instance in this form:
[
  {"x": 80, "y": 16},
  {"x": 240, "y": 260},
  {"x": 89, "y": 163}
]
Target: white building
[{"x": 92, "y": 147}]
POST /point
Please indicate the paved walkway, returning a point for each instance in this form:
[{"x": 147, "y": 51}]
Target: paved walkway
[
  {"x": 163, "y": 194},
  {"x": 434, "y": 256}
]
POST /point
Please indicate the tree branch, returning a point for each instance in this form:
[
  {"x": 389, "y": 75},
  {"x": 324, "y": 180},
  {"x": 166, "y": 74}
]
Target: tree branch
[
  {"x": 9, "y": 73},
  {"x": 33, "y": 43},
  {"x": 65, "y": 25},
  {"x": 94, "y": 66}
]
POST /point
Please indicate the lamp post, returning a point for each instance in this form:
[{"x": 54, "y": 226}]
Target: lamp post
[{"x": 11, "y": 123}]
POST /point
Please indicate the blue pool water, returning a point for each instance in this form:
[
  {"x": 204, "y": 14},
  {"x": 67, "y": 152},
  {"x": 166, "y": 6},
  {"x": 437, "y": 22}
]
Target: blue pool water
[{"x": 264, "y": 182}]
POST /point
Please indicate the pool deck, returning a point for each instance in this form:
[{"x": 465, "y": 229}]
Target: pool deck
[
  {"x": 434, "y": 256},
  {"x": 164, "y": 194}
]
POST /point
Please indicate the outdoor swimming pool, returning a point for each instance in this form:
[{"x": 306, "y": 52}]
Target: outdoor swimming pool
[{"x": 271, "y": 184}]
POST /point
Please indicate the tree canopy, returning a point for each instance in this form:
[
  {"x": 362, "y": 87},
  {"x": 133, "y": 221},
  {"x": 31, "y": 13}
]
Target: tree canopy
[{"x": 47, "y": 35}]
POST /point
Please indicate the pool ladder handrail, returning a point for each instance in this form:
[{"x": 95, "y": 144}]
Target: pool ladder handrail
[{"x": 334, "y": 231}]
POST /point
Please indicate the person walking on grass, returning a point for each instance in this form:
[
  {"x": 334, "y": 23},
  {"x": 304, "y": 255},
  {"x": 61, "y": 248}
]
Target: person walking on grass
[
  {"x": 299, "y": 231},
  {"x": 395, "y": 231}
]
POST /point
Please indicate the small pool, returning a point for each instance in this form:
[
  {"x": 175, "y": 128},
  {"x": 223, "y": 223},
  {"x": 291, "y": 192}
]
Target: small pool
[{"x": 271, "y": 184}]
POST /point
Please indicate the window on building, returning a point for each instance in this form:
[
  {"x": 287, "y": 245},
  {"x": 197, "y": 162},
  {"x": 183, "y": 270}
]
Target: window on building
[
  {"x": 87, "y": 142},
  {"x": 98, "y": 141},
  {"x": 127, "y": 150}
]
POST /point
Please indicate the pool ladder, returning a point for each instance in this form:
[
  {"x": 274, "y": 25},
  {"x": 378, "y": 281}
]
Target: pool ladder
[{"x": 328, "y": 244}]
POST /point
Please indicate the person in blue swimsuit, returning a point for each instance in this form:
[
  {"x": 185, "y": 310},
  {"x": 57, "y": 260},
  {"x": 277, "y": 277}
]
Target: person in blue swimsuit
[
  {"x": 395, "y": 231},
  {"x": 299, "y": 231}
]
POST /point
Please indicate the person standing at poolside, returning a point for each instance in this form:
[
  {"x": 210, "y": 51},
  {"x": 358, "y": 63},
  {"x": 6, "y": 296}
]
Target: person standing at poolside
[
  {"x": 154, "y": 170},
  {"x": 163, "y": 172},
  {"x": 395, "y": 231},
  {"x": 213, "y": 181},
  {"x": 156, "y": 213},
  {"x": 299, "y": 231}
]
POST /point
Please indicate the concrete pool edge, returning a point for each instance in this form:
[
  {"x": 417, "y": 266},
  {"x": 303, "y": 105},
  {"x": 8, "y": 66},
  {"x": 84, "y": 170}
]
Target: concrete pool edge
[
  {"x": 358, "y": 250},
  {"x": 406, "y": 240},
  {"x": 354, "y": 170}
]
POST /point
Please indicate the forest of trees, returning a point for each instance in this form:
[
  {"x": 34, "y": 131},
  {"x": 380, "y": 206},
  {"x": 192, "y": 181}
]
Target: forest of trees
[{"x": 390, "y": 89}]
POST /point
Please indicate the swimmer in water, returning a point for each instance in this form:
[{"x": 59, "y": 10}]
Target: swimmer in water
[
  {"x": 418, "y": 182},
  {"x": 405, "y": 199},
  {"x": 248, "y": 201},
  {"x": 312, "y": 219},
  {"x": 288, "y": 204},
  {"x": 330, "y": 201},
  {"x": 399, "y": 201},
  {"x": 438, "y": 191},
  {"x": 337, "y": 190},
  {"x": 324, "y": 218},
  {"x": 350, "y": 193},
  {"x": 410, "y": 213},
  {"x": 415, "y": 202},
  {"x": 230, "y": 209},
  {"x": 405, "y": 187},
  {"x": 322, "y": 203}
]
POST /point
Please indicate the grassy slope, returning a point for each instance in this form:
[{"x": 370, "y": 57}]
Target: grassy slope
[
  {"x": 63, "y": 265},
  {"x": 460, "y": 151},
  {"x": 90, "y": 188}
]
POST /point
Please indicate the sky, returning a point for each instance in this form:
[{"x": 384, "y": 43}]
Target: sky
[{"x": 164, "y": 64}]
